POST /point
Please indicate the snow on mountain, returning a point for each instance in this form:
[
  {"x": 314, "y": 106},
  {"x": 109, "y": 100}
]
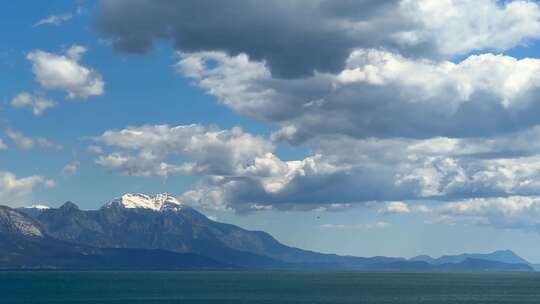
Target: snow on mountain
[
  {"x": 39, "y": 207},
  {"x": 160, "y": 202}
]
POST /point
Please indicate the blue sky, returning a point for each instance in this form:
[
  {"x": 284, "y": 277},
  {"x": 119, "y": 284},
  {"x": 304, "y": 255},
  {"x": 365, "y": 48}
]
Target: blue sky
[{"x": 422, "y": 141}]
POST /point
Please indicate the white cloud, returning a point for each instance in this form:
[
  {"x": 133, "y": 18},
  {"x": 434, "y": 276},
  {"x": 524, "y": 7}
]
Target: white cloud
[
  {"x": 145, "y": 150},
  {"x": 37, "y": 103},
  {"x": 54, "y": 19},
  {"x": 3, "y": 146},
  {"x": 142, "y": 164},
  {"x": 369, "y": 226},
  {"x": 23, "y": 142},
  {"x": 48, "y": 144},
  {"x": 94, "y": 149},
  {"x": 240, "y": 171},
  {"x": 456, "y": 27},
  {"x": 378, "y": 94},
  {"x": 65, "y": 73},
  {"x": 71, "y": 168},
  {"x": 521, "y": 212},
  {"x": 17, "y": 191},
  {"x": 424, "y": 129},
  {"x": 420, "y": 208},
  {"x": 394, "y": 208},
  {"x": 407, "y": 101},
  {"x": 401, "y": 120}
]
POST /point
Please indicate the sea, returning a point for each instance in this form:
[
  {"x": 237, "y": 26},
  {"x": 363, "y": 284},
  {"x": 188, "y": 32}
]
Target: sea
[{"x": 266, "y": 287}]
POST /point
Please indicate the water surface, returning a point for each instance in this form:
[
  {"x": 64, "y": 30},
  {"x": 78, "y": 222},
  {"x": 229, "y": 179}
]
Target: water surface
[{"x": 266, "y": 287}]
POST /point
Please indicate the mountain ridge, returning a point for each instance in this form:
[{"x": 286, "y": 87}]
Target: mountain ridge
[
  {"x": 161, "y": 222},
  {"x": 505, "y": 256},
  {"x": 25, "y": 245}
]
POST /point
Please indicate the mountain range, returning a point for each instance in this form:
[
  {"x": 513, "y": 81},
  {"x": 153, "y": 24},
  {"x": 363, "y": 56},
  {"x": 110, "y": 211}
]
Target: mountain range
[{"x": 137, "y": 231}]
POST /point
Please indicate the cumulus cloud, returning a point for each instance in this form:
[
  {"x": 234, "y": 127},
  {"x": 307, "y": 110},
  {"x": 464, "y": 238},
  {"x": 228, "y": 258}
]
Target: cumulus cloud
[
  {"x": 241, "y": 171},
  {"x": 36, "y": 103},
  {"x": 406, "y": 128},
  {"x": 509, "y": 212},
  {"x": 397, "y": 101},
  {"x": 145, "y": 150},
  {"x": 319, "y": 35},
  {"x": 64, "y": 73},
  {"x": 378, "y": 94},
  {"x": 459, "y": 26},
  {"x": 23, "y": 142},
  {"x": 503, "y": 212},
  {"x": 15, "y": 191}
]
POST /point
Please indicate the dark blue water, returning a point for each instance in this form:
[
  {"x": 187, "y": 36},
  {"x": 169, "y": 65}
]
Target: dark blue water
[{"x": 266, "y": 287}]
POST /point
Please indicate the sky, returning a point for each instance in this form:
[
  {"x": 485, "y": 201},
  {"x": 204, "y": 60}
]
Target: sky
[{"x": 394, "y": 128}]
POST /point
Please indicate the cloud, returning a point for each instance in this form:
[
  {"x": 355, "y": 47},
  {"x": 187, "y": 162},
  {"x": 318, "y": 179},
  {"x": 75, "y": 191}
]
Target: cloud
[
  {"x": 378, "y": 94},
  {"x": 377, "y": 225},
  {"x": 65, "y": 73},
  {"x": 54, "y": 19},
  {"x": 396, "y": 101},
  {"x": 94, "y": 149},
  {"x": 511, "y": 212},
  {"x": 3, "y": 146},
  {"x": 459, "y": 26},
  {"x": 71, "y": 168},
  {"x": 23, "y": 142},
  {"x": 145, "y": 150},
  {"x": 394, "y": 208},
  {"x": 241, "y": 171},
  {"x": 37, "y": 103},
  {"x": 57, "y": 20},
  {"x": 297, "y": 38},
  {"x": 15, "y": 191}
]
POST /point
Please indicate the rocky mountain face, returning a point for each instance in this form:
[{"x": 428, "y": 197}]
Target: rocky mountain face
[
  {"x": 161, "y": 222},
  {"x": 24, "y": 243},
  {"x": 16, "y": 224},
  {"x": 137, "y": 227}
]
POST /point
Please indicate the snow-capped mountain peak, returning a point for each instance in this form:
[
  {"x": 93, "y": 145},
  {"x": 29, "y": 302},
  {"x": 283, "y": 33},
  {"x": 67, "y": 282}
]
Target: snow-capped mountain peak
[
  {"x": 39, "y": 207},
  {"x": 159, "y": 202}
]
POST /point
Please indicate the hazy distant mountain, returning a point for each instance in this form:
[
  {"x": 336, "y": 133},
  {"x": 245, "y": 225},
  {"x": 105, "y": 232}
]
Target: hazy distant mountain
[
  {"x": 480, "y": 265},
  {"x": 423, "y": 258},
  {"x": 504, "y": 256},
  {"x": 161, "y": 224}
]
